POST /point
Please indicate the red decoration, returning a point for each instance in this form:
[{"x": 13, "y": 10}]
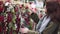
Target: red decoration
[
  {"x": 1, "y": 9},
  {"x": 11, "y": 32},
  {"x": 1, "y": 6},
  {"x": 20, "y": 6},
  {"x": 1, "y": 18},
  {"x": 16, "y": 9},
  {"x": 27, "y": 21},
  {"x": 8, "y": 0},
  {"x": 26, "y": 7},
  {"x": 5, "y": 30},
  {"x": 9, "y": 17},
  {"x": 17, "y": 23},
  {"x": 1, "y": 2},
  {"x": 0, "y": 28},
  {"x": 30, "y": 2}
]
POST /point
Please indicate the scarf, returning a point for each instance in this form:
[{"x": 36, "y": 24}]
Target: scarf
[{"x": 42, "y": 24}]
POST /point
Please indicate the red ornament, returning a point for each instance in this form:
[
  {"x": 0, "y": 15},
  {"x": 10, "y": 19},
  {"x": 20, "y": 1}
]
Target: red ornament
[
  {"x": 8, "y": 0},
  {"x": 5, "y": 30},
  {"x": 1, "y": 6},
  {"x": 11, "y": 32},
  {"x": 1, "y": 2},
  {"x": 30, "y": 2},
  {"x": 26, "y": 7},
  {"x": 9, "y": 17},
  {"x": 1, "y": 18},
  {"x": 18, "y": 24},
  {"x": 20, "y": 6},
  {"x": 0, "y": 28},
  {"x": 17, "y": 20},
  {"x": 27, "y": 20},
  {"x": 1, "y": 9},
  {"x": 16, "y": 9}
]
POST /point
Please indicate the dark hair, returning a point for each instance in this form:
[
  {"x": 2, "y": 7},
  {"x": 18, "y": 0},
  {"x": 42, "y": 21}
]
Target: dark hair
[{"x": 53, "y": 11}]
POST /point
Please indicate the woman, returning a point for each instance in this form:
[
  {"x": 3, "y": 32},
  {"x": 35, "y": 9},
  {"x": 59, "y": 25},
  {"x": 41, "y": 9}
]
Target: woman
[{"x": 50, "y": 23}]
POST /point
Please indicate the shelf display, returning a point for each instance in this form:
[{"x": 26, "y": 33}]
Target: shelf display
[{"x": 15, "y": 15}]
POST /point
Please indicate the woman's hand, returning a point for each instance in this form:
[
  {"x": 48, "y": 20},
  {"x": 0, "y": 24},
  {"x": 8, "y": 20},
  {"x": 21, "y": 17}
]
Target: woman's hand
[{"x": 24, "y": 30}]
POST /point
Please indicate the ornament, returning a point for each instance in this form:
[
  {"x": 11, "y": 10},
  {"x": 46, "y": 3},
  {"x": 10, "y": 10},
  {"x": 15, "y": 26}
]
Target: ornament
[
  {"x": 1, "y": 6},
  {"x": 21, "y": 6},
  {"x": 26, "y": 7},
  {"x": 0, "y": 28},
  {"x": 30, "y": 2},
  {"x": 1, "y": 18},
  {"x": 16, "y": 9},
  {"x": 1, "y": 2},
  {"x": 9, "y": 17}
]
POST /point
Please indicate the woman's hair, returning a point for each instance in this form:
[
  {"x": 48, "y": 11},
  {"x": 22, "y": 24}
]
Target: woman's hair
[{"x": 53, "y": 11}]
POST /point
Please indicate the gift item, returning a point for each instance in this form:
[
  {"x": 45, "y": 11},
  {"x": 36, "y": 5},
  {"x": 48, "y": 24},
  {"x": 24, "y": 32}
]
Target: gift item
[{"x": 15, "y": 16}]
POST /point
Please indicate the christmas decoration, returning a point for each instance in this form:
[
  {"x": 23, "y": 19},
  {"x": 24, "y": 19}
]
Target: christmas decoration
[{"x": 15, "y": 16}]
